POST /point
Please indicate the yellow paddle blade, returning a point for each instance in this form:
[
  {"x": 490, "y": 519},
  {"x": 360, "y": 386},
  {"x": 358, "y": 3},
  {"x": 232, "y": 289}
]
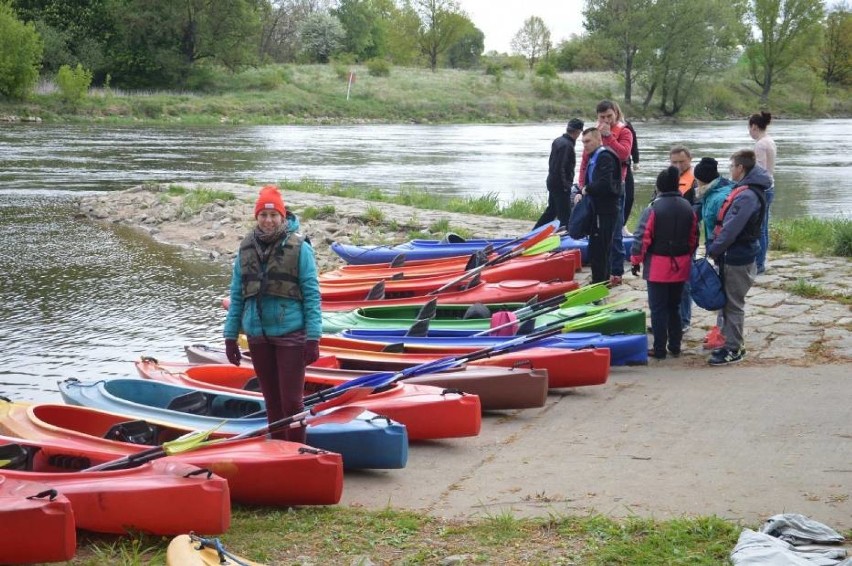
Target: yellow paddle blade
[
  {"x": 189, "y": 441},
  {"x": 547, "y": 245},
  {"x": 4, "y": 463},
  {"x": 242, "y": 342}
]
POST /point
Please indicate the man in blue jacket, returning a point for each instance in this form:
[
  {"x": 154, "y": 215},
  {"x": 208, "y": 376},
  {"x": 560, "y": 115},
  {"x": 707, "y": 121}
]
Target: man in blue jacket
[{"x": 735, "y": 246}]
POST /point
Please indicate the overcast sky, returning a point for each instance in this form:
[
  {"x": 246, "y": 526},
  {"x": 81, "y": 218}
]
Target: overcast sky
[{"x": 500, "y": 20}]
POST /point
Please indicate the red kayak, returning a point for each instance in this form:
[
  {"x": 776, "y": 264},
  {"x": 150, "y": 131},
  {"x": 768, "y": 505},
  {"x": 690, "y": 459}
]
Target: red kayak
[
  {"x": 427, "y": 412},
  {"x": 37, "y": 522},
  {"x": 509, "y": 291},
  {"x": 498, "y": 388},
  {"x": 565, "y": 368},
  {"x": 253, "y": 467},
  {"x": 163, "y": 497},
  {"x": 543, "y": 267}
]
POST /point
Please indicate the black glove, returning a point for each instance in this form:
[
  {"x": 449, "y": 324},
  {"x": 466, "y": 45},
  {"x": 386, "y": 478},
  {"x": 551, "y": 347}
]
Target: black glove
[
  {"x": 311, "y": 351},
  {"x": 232, "y": 351},
  {"x": 636, "y": 268}
]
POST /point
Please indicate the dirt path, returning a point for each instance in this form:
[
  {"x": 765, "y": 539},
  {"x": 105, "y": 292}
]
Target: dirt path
[{"x": 677, "y": 437}]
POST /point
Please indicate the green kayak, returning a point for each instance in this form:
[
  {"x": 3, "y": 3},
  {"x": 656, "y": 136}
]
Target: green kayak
[{"x": 451, "y": 317}]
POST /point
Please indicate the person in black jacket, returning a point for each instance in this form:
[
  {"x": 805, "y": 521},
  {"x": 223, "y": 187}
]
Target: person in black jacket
[
  {"x": 560, "y": 175},
  {"x": 603, "y": 185}
]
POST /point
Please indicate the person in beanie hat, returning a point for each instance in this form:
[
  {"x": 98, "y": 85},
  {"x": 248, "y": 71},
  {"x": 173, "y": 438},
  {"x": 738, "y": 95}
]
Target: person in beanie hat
[
  {"x": 560, "y": 175},
  {"x": 663, "y": 244},
  {"x": 275, "y": 301},
  {"x": 711, "y": 192}
]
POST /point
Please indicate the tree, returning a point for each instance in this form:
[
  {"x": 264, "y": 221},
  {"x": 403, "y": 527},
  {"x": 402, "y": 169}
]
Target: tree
[
  {"x": 532, "y": 40},
  {"x": 835, "y": 54},
  {"x": 322, "y": 35},
  {"x": 626, "y": 25},
  {"x": 280, "y": 25},
  {"x": 785, "y": 28},
  {"x": 403, "y": 35},
  {"x": 468, "y": 48},
  {"x": 438, "y": 28},
  {"x": 20, "y": 54}
]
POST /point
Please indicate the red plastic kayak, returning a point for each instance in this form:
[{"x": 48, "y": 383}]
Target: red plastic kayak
[
  {"x": 511, "y": 290},
  {"x": 543, "y": 267},
  {"x": 427, "y": 412},
  {"x": 162, "y": 497},
  {"x": 253, "y": 467},
  {"x": 37, "y": 522},
  {"x": 498, "y": 388}
]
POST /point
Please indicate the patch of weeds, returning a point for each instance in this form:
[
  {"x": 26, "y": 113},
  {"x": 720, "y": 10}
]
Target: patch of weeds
[
  {"x": 196, "y": 199},
  {"x": 374, "y": 215},
  {"x": 822, "y": 236},
  {"x": 177, "y": 190},
  {"x": 527, "y": 208},
  {"x": 311, "y": 212},
  {"x": 134, "y": 550},
  {"x": 803, "y": 288}
]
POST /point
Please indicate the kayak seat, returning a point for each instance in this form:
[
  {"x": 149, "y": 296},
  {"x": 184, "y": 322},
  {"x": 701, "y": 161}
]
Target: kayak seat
[
  {"x": 477, "y": 310},
  {"x": 193, "y": 402},
  {"x": 233, "y": 408},
  {"x": 17, "y": 457},
  {"x": 134, "y": 432},
  {"x": 452, "y": 238},
  {"x": 252, "y": 384}
]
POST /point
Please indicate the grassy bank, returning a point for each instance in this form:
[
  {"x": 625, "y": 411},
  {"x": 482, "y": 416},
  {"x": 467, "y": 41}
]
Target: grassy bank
[
  {"x": 311, "y": 94},
  {"x": 340, "y": 535}
]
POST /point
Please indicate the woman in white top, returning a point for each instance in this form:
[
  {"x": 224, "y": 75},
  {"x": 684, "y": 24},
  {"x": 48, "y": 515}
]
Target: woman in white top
[{"x": 764, "y": 150}]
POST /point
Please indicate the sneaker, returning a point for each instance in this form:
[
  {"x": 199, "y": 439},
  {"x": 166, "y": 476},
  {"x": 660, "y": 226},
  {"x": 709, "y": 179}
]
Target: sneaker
[
  {"x": 685, "y": 328},
  {"x": 714, "y": 339},
  {"x": 673, "y": 352},
  {"x": 615, "y": 281},
  {"x": 723, "y": 356},
  {"x": 656, "y": 355}
]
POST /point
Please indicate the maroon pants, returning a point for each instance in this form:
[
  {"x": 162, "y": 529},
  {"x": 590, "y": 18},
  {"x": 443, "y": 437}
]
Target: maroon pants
[{"x": 280, "y": 365}]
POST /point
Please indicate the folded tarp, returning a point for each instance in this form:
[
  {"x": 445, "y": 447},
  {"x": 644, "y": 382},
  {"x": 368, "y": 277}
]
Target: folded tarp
[{"x": 790, "y": 539}]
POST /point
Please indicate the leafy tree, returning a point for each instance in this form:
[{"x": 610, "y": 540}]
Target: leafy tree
[
  {"x": 785, "y": 29},
  {"x": 532, "y": 40},
  {"x": 439, "y": 29},
  {"x": 73, "y": 83},
  {"x": 582, "y": 53},
  {"x": 322, "y": 36},
  {"x": 281, "y": 21},
  {"x": 627, "y": 26},
  {"x": 835, "y": 54},
  {"x": 20, "y": 54},
  {"x": 468, "y": 48},
  {"x": 366, "y": 31},
  {"x": 403, "y": 35}
]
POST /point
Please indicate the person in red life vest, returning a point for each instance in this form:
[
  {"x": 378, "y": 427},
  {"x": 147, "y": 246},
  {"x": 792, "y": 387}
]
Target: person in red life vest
[
  {"x": 735, "y": 247},
  {"x": 602, "y": 183},
  {"x": 681, "y": 157},
  {"x": 617, "y": 137},
  {"x": 275, "y": 301},
  {"x": 765, "y": 152},
  {"x": 560, "y": 175},
  {"x": 664, "y": 242}
]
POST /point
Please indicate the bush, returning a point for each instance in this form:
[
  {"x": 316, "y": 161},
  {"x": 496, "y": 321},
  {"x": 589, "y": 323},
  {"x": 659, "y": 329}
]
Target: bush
[
  {"x": 378, "y": 68},
  {"x": 73, "y": 83},
  {"x": 20, "y": 54},
  {"x": 545, "y": 69},
  {"x": 842, "y": 241},
  {"x": 544, "y": 87}
]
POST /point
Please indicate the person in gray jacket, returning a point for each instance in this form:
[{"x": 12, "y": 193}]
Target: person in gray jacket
[{"x": 735, "y": 247}]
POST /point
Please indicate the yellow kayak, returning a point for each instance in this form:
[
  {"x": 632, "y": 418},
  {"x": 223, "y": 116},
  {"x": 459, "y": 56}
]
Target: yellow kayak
[{"x": 192, "y": 550}]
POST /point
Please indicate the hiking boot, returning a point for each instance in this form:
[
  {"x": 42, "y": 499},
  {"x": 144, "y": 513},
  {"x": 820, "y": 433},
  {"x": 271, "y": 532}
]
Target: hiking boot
[
  {"x": 714, "y": 339},
  {"x": 615, "y": 280},
  {"x": 724, "y": 356}
]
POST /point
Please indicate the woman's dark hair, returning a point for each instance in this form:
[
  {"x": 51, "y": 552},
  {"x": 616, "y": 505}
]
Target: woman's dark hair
[{"x": 760, "y": 120}]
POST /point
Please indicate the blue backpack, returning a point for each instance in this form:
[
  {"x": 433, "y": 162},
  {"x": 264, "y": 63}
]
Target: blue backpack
[
  {"x": 706, "y": 286},
  {"x": 582, "y": 219}
]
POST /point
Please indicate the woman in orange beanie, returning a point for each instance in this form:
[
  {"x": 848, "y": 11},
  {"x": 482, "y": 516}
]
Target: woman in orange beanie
[{"x": 275, "y": 301}]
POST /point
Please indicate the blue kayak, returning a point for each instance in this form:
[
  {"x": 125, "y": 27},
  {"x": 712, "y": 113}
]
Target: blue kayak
[
  {"x": 369, "y": 441},
  {"x": 625, "y": 349},
  {"x": 435, "y": 249}
]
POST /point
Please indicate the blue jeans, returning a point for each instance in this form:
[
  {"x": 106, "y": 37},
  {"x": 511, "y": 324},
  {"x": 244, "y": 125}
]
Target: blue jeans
[
  {"x": 617, "y": 252},
  {"x": 663, "y": 301},
  {"x": 686, "y": 306},
  {"x": 764, "y": 232}
]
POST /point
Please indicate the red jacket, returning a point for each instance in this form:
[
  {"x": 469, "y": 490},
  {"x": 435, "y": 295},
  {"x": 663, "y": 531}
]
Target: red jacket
[{"x": 620, "y": 141}]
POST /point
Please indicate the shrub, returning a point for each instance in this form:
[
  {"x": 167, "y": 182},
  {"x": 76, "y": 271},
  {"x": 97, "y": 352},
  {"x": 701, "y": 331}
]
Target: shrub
[
  {"x": 73, "y": 83},
  {"x": 20, "y": 54},
  {"x": 378, "y": 67},
  {"x": 842, "y": 241},
  {"x": 544, "y": 87},
  {"x": 545, "y": 69}
]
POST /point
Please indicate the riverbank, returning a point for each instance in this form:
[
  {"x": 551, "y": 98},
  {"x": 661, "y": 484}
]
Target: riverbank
[
  {"x": 317, "y": 94},
  {"x": 782, "y": 327}
]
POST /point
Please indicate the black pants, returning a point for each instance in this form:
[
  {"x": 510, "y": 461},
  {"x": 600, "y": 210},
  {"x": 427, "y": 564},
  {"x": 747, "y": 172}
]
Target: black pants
[
  {"x": 664, "y": 303},
  {"x": 600, "y": 246},
  {"x": 558, "y": 207},
  {"x": 629, "y": 190}
]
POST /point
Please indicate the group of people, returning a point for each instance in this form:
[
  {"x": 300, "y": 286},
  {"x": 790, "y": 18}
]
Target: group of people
[{"x": 733, "y": 210}]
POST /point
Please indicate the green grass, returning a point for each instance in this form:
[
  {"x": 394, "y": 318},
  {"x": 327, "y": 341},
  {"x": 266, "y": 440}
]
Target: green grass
[
  {"x": 344, "y": 535},
  {"x": 804, "y": 288},
  {"x": 193, "y": 200},
  {"x": 819, "y": 236}
]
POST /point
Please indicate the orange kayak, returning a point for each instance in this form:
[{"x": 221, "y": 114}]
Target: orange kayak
[
  {"x": 543, "y": 267},
  {"x": 161, "y": 497},
  {"x": 253, "y": 467},
  {"x": 427, "y": 412},
  {"x": 37, "y": 518}
]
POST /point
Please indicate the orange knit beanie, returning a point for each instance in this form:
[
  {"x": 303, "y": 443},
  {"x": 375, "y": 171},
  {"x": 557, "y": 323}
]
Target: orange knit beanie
[{"x": 270, "y": 199}]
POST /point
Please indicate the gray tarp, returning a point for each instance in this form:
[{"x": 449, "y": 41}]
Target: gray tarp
[{"x": 789, "y": 540}]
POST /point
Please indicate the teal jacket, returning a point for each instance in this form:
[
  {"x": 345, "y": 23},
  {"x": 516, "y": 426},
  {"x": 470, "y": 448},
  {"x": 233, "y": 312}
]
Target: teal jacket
[
  {"x": 281, "y": 315},
  {"x": 711, "y": 201}
]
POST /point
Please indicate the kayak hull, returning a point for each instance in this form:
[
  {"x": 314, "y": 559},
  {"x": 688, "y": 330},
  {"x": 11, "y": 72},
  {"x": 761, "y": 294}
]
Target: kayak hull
[
  {"x": 42, "y": 527},
  {"x": 184, "y": 551},
  {"x": 428, "y": 413},
  {"x": 364, "y": 442}
]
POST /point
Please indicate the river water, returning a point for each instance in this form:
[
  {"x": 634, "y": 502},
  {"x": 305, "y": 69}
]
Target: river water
[{"x": 85, "y": 300}]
